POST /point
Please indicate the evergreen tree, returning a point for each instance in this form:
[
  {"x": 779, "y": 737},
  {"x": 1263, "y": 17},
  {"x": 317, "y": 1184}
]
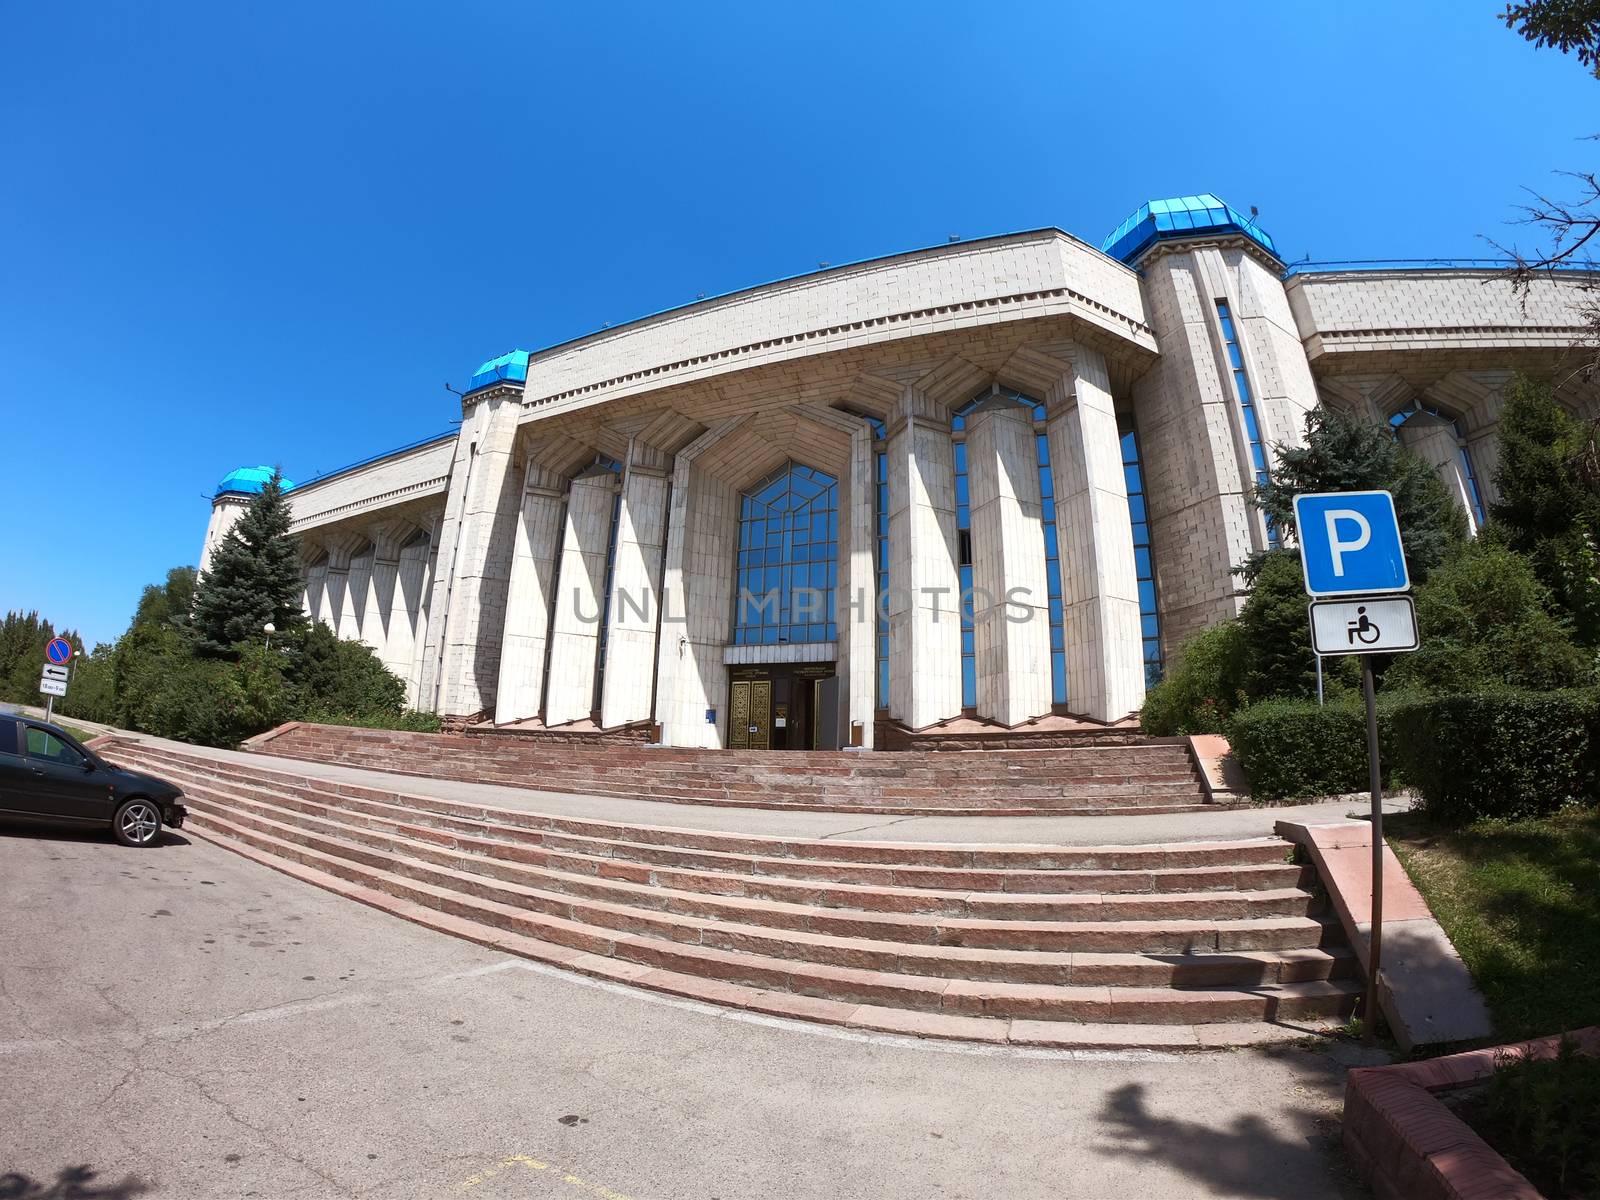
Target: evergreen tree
[
  {"x": 1345, "y": 453},
  {"x": 254, "y": 578},
  {"x": 1486, "y": 624},
  {"x": 1549, "y": 508},
  {"x": 23, "y": 637}
]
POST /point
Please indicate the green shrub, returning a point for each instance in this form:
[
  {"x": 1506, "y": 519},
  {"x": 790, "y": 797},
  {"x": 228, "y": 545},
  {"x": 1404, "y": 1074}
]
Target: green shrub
[
  {"x": 1203, "y": 686},
  {"x": 1298, "y": 748},
  {"x": 1542, "y": 1115},
  {"x": 1485, "y": 623},
  {"x": 1497, "y": 754},
  {"x": 330, "y": 674}
]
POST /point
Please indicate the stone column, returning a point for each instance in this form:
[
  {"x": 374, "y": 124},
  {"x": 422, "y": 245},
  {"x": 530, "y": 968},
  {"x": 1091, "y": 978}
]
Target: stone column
[
  {"x": 1433, "y": 439},
  {"x": 418, "y": 561},
  {"x": 469, "y": 591},
  {"x": 630, "y": 667},
  {"x": 697, "y": 589},
  {"x": 1100, "y": 591},
  {"x": 580, "y": 596},
  {"x": 385, "y": 626},
  {"x": 336, "y": 591},
  {"x": 1011, "y": 592},
  {"x": 353, "y": 620},
  {"x": 857, "y": 604},
  {"x": 317, "y": 589},
  {"x": 924, "y": 587},
  {"x": 533, "y": 573}
]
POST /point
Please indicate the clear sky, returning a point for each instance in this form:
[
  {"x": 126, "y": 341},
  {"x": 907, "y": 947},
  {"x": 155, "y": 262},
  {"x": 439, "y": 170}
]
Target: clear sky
[{"x": 269, "y": 233}]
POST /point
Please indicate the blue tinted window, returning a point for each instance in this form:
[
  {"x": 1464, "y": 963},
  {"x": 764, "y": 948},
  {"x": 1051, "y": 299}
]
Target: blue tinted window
[
  {"x": 613, "y": 465},
  {"x": 1149, "y": 611},
  {"x": 1247, "y": 406},
  {"x": 787, "y": 569}
]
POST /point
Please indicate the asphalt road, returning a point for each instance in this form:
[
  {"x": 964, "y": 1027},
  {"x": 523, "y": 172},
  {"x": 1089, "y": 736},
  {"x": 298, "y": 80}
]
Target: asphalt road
[{"x": 180, "y": 1022}]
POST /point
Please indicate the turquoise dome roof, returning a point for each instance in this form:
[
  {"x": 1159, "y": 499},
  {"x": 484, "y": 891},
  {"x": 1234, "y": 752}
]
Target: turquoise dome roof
[
  {"x": 512, "y": 366},
  {"x": 248, "y": 481},
  {"x": 1180, "y": 217}
]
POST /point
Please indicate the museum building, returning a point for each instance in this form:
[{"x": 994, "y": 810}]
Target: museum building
[{"x": 989, "y": 485}]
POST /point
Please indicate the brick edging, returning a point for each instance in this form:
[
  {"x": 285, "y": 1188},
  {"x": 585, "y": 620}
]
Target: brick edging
[{"x": 1407, "y": 1145}]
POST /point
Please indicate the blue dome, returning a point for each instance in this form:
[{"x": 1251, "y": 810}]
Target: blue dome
[
  {"x": 1180, "y": 217},
  {"x": 512, "y": 366},
  {"x": 248, "y": 481}
]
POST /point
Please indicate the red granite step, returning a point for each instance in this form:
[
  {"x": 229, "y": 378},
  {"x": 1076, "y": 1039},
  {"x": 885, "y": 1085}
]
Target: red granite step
[
  {"x": 588, "y": 854},
  {"x": 849, "y": 985},
  {"x": 1089, "y": 778},
  {"x": 1047, "y": 945}
]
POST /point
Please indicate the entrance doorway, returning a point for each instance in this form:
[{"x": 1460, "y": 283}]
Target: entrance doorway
[{"x": 783, "y": 707}]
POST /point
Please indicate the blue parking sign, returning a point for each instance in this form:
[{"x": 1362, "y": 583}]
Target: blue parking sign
[{"x": 1350, "y": 543}]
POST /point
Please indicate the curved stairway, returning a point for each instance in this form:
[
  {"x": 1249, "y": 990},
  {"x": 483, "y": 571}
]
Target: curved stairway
[
  {"x": 1187, "y": 944},
  {"x": 1150, "y": 776}
]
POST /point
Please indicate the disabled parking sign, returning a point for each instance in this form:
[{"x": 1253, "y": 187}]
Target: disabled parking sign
[{"x": 1350, "y": 544}]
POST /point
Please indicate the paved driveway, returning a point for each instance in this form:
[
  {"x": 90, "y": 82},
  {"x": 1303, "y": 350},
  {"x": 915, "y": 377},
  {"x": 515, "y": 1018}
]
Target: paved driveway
[{"x": 181, "y": 1022}]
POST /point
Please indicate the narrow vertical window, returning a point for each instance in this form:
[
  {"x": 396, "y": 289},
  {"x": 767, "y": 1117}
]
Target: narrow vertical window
[
  {"x": 880, "y": 555},
  {"x": 1247, "y": 404},
  {"x": 969, "y": 661},
  {"x": 612, "y": 465},
  {"x": 1052, "y": 558},
  {"x": 1143, "y": 561}
]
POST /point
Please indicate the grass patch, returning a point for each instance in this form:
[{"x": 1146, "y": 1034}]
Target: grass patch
[{"x": 1521, "y": 901}]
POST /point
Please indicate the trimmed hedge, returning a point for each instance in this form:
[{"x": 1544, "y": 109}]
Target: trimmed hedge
[
  {"x": 1298, "y": 748},
  {"x": 1498, "y": 754}
]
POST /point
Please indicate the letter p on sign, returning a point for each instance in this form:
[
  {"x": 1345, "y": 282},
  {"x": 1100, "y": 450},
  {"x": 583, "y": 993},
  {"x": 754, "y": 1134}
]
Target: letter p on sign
[
  {"x": 1350, "y": 544},
  {"x": 1338, "y": 547}
]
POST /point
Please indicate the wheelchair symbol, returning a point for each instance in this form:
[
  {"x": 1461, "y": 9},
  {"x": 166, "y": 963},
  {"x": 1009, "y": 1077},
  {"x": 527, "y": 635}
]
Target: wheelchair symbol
[{"x": 1362, "y": 630}]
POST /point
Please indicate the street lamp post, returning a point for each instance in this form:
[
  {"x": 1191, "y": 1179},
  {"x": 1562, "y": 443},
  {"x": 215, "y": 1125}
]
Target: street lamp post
[{"x": 269, "y": 629}]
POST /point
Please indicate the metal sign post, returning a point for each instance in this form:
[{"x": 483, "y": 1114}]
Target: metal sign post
[
  {"x": 1350, "y": 548},
  {"x": 53, "y": 679}
]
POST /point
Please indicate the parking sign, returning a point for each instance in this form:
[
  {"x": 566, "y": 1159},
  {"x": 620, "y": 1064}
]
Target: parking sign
[{"x": 1350, "y": 543}]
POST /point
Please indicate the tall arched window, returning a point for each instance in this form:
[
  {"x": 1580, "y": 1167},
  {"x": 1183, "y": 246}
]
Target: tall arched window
[{"x": 788, "y": 559}]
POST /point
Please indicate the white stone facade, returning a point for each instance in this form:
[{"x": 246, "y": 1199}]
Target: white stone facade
[{"x": 579, "y": 551}]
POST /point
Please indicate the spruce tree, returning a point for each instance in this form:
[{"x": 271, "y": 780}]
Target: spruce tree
[
  {"x": 1345, "y": 453},
  {"x": 1549, "y": 504},
  {"x": 254, "y": 578}
]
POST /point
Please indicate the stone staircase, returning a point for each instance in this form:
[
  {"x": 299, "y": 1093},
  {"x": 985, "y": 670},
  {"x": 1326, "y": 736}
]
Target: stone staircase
[
  {"x": 1149, "y": 777},
  {"x": 1189, "y": 944}
]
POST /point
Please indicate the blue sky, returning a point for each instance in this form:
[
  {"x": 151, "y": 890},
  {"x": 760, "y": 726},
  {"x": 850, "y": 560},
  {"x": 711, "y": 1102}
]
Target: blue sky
[{"x": 233, "y": 234}]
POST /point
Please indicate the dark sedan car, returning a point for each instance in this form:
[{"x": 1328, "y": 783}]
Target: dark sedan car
[{"x": 45, "y": 774}]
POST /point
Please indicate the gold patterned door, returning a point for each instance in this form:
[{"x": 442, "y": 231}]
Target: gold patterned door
[
  {"x": 750, "y": 714},
  {"x": 739, "y": 715}
]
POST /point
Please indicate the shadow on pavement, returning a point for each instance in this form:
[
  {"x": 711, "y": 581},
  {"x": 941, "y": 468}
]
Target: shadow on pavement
[
  {"x": 71, "y": 1183},
  {"x": 46, "y": 831},
  {"x": 1247, "y": 1160}
]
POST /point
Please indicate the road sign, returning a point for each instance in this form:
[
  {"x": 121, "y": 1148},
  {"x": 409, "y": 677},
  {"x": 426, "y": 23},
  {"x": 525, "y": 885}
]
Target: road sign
[
  {"x": 1350, "y": 543},
  {"x": 59, "y": 651},
  {"x": 1375, "y": 625},
  {"x": 53, "y": 681}
]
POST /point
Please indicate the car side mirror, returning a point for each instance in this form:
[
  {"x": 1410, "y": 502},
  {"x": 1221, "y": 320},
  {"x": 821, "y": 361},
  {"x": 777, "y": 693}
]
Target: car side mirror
[{"x": 88, "y": 765}]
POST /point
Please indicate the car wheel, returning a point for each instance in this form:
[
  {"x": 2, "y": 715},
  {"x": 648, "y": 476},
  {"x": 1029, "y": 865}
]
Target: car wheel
[{"x": 137, "y": 823}]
